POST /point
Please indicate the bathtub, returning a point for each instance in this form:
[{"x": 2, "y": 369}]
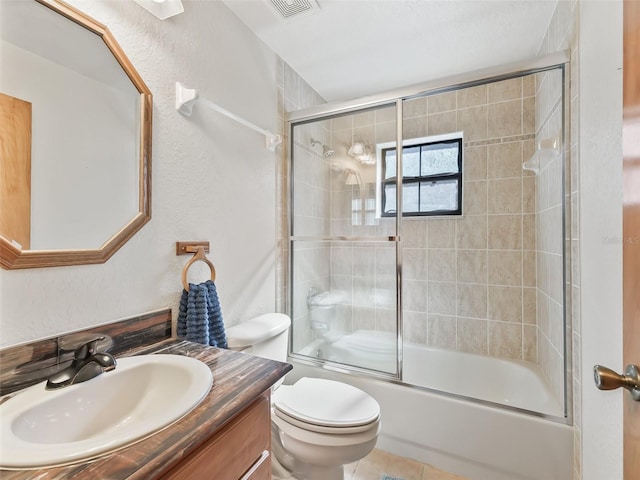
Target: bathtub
[
  {"x": 477, "y": 440},
  {"x": 513, "y": 383},
  {"x": 508, "y": 382}
]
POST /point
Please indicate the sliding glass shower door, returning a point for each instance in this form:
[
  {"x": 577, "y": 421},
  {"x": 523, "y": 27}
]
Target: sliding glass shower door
[
  {"x": 344, "y": 252},
  {"x": 448, "y": 254}
]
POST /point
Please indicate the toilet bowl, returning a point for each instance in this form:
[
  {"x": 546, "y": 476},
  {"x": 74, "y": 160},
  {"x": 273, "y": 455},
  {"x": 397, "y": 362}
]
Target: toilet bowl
[
  {"x": 317, "y": 425},
  {"x": 321, "y": 425}
]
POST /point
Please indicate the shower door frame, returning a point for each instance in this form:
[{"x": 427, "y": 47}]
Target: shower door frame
[
  {"x": 555, "y": 61},
  {"x": 332, "y": 365}
]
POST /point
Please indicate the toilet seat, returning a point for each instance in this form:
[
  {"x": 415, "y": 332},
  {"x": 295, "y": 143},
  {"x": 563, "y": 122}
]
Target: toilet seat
[
  {"x": 326, "y": 406},
  {"x": 322, "y": 429}
]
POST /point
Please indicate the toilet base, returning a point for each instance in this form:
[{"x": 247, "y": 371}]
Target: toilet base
[
  {"x": 304, "y": 471},
  {"x": 286, "y": 467}
]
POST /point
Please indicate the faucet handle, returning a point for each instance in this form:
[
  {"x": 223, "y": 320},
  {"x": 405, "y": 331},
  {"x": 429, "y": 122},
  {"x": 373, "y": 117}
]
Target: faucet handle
[
  {"x": 71, "y": 343},
  {"x": 87, "y": 349}
]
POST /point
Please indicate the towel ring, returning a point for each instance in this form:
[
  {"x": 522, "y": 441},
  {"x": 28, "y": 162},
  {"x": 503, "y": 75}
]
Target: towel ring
[{"x": 198, "y": 256}]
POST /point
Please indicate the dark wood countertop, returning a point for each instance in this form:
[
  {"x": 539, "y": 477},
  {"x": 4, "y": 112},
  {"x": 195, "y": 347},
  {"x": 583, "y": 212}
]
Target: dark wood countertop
[{"x": 237, "y": 380}]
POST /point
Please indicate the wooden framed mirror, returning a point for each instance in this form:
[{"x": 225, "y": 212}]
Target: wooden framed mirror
[{"x": 75, "y": 138}]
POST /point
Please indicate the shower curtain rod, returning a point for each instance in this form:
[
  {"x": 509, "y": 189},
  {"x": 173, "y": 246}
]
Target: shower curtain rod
[{"x": 187, "y": 97}]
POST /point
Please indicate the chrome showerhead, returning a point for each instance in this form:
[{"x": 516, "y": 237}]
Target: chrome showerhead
[{"x": 326, "y": 150}]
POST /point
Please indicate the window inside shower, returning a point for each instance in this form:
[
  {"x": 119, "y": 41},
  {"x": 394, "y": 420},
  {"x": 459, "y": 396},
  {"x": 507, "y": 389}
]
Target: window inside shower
[
  {"x": 380, "y": 289},
  {"x": 431, "y": 176}
]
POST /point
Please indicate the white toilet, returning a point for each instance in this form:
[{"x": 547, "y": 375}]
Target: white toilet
[{"x": 317, "y": 425}]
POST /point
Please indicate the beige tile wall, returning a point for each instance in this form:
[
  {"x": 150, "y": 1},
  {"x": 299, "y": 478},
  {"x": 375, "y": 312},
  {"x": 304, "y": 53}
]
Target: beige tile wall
[{"x": 468, "y": 283}]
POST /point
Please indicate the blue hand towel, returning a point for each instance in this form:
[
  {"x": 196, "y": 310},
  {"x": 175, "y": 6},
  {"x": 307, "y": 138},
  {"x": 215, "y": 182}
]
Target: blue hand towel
[{"x": 200, "y": 316}]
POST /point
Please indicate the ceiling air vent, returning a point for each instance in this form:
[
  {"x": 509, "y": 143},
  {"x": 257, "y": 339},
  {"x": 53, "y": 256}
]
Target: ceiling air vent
[{"x": 291, "y": 8}]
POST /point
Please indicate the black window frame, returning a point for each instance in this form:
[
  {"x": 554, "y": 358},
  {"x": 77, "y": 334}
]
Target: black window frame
[{"x": 422, "y": 179}]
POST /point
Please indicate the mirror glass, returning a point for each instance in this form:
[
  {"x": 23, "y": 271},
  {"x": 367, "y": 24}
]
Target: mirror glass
[{"x": 75, "y": 146}]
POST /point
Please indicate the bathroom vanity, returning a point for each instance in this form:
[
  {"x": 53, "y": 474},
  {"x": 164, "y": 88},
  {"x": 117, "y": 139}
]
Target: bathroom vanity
[
  {"x": 239, "y": 450},
  {"x": 226, "y": 436}
]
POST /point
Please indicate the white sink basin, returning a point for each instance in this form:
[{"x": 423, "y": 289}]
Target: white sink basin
[{"x": 40, "y": 428}]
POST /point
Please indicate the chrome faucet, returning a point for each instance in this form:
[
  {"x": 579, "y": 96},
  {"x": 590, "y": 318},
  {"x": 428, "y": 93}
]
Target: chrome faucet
[{"x": 87, "y": 363}]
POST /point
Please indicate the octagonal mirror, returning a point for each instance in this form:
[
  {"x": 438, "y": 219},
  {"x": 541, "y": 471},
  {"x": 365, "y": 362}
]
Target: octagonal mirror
[{"x": 75, "y": 138}]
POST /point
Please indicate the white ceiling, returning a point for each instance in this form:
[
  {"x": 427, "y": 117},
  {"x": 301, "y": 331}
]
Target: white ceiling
[{"x": 352, "y": 48}]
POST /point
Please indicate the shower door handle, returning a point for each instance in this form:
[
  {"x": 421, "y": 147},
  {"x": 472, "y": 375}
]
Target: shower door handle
[{"x": 607, "y": 379}]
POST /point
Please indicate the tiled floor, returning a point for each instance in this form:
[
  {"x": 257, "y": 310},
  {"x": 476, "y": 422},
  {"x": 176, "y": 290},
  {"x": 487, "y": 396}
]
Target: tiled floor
[{"x": 378, "y": 463}]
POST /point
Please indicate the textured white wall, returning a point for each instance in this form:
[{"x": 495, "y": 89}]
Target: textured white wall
[{"x": 212, "y": 179}]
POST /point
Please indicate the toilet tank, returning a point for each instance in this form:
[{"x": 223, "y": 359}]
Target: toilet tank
[{"x": 265, "y": 336}]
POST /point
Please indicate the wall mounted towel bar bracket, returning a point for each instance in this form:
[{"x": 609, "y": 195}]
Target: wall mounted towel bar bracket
[
  {"x": 187, "y": 97},
  {"x": 189, "y": 248}
]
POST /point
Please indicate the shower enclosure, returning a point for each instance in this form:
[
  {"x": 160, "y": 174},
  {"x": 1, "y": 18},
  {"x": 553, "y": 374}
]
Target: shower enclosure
[{"x": 442, "y": 264}]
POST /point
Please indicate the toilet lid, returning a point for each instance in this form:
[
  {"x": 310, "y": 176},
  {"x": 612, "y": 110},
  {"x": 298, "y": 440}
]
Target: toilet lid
[{"x": 326, "y": 403}]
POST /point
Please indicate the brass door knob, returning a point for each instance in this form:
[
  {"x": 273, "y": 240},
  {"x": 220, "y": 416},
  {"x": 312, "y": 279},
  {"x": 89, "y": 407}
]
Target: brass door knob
[{"x": 607, "y": 379}]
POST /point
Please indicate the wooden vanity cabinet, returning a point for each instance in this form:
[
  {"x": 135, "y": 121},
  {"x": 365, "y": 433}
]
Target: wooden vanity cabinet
[{"x": 241, "y": 450}]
